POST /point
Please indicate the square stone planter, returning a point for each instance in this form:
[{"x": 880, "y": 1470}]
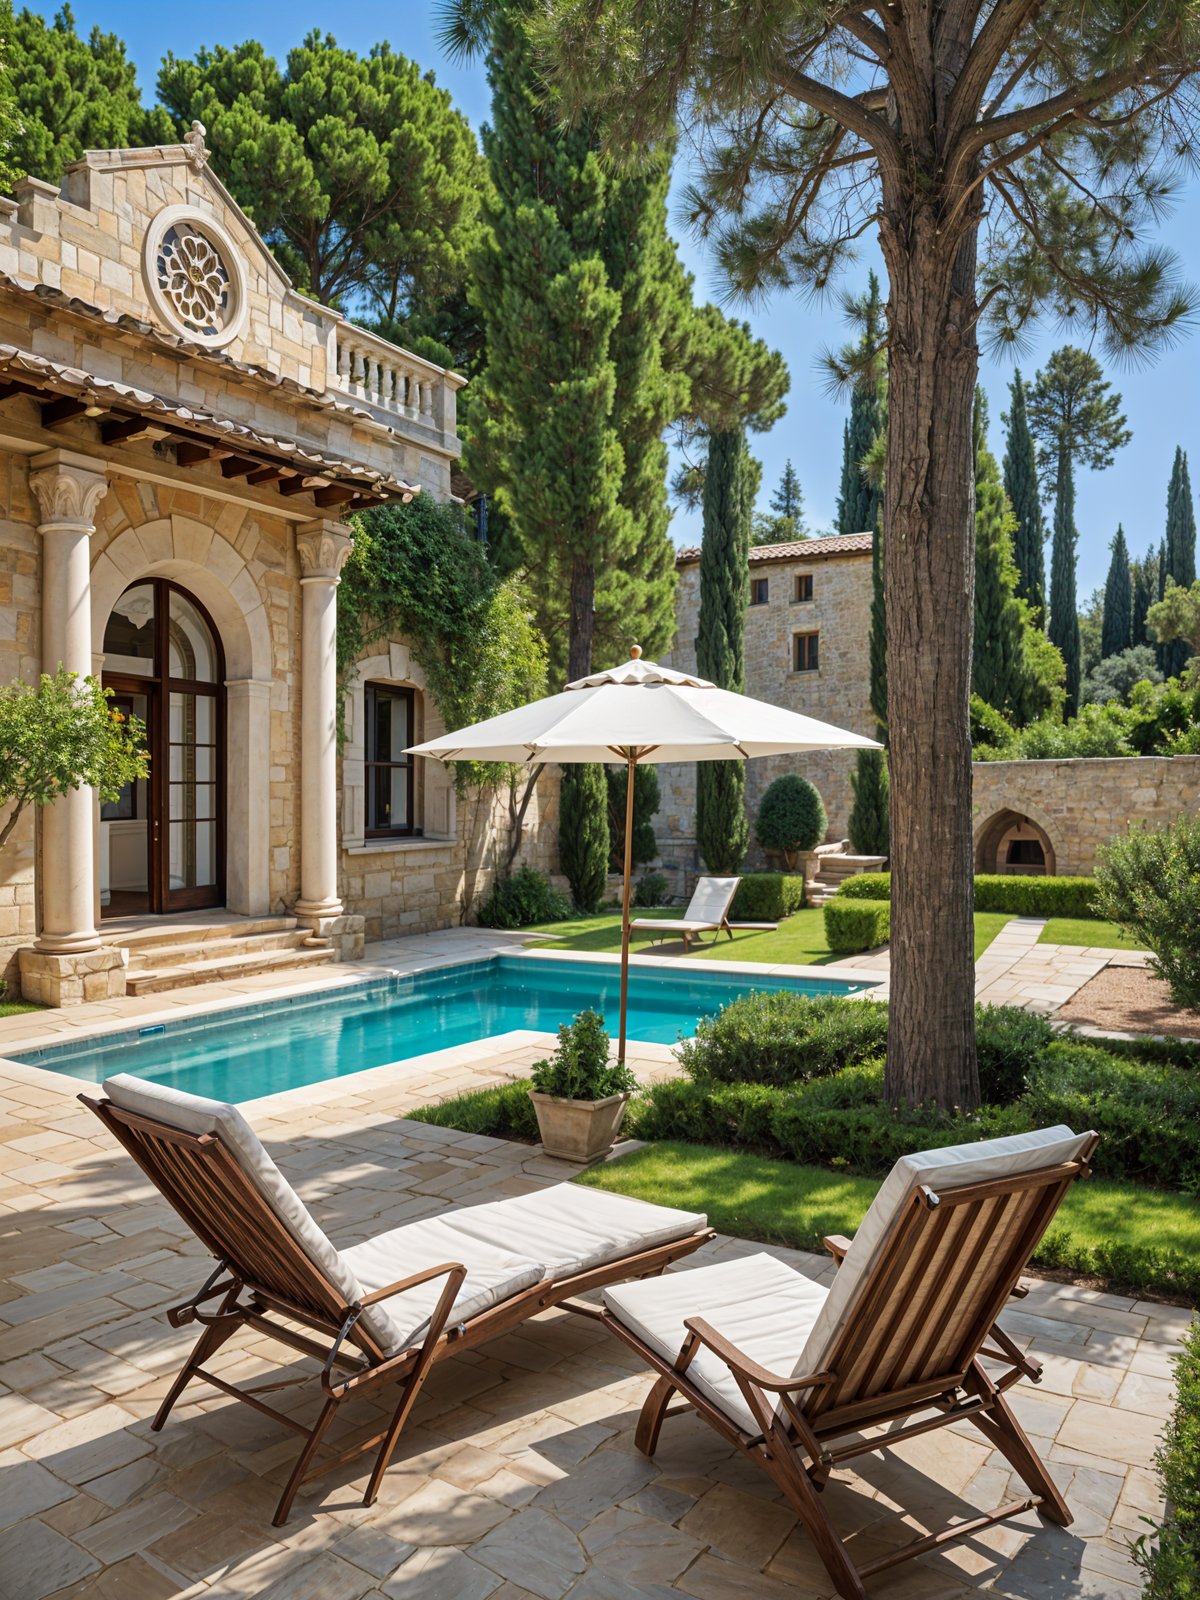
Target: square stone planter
[{"x": 581, "y": 1131}]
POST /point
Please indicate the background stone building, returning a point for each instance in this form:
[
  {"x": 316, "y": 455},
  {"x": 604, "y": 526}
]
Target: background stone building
[
  {"x": 808, "y": 628},
  {"x": 181, "y": 437}
]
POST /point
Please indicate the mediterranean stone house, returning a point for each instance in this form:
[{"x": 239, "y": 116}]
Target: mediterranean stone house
[
  {"x": 182, "y": 436},
  {"x": 808, "y": 624}
]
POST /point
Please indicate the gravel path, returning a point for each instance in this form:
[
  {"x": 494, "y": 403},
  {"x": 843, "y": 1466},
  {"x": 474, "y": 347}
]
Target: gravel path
[{"x": 1129, "y": 1000}]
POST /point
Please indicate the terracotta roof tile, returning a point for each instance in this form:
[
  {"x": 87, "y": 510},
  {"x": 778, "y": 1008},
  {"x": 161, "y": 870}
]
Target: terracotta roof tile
[{"x": 842, "y": 544}]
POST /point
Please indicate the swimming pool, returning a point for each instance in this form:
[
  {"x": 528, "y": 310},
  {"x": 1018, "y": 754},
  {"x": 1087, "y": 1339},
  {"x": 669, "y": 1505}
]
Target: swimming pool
[{"x": 254, "y": 1051}]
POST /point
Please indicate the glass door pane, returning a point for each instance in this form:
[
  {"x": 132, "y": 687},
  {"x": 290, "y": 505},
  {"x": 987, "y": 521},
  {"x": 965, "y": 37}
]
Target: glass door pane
[
  {"x": 191, "y": 793},
  {"x": 125, "y": 829}
]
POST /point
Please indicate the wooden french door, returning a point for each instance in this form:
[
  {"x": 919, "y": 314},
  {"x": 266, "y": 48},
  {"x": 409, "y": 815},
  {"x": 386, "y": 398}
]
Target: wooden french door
[{"x": 163, "y": 840}]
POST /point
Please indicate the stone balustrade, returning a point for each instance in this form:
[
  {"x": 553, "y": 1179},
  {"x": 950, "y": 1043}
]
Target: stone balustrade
[{"x": 391, "y": 380}]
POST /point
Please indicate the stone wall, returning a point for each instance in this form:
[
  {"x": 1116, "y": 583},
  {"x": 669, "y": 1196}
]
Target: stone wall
[
  {"x": 838, "y": 692},
  {"x": 1081, "y": 804}
]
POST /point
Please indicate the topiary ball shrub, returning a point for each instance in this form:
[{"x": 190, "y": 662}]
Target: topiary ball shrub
[
  {"x": 791, "y": 816},
  {"x": 526, "y": 897},
  {"x": 783, "y": 1037}
]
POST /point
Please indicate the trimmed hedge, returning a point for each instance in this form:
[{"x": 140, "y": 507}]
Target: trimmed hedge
[
  {"x": 1170, "y": 1556},
  {"x": 767, "y": 896},
  {"x": 780, "y": 1037},
  {"x": 526, "y": 897},
  {"x": 998, "y": 891},
  {"x": 857, "y": 925}
]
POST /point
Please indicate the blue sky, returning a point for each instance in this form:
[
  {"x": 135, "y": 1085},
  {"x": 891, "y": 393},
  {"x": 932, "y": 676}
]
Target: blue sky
[{"x": 1162, "y": 401}]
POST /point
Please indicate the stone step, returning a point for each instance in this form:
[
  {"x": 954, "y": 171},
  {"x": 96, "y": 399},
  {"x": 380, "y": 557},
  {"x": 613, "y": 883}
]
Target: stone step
[
  {"x": 170, "y": 930},
  {"x": 184, "y": 974},
  {"x": 168, "y": 955}
]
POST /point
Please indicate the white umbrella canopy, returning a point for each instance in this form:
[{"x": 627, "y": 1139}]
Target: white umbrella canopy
[
  {"x": 635, "y": 713},
  {"x": 660, "y": 714}
]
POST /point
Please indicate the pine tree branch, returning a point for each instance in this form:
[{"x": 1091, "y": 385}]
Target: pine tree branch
[
  {"x": 1072, "y": 104},
  {"x": 1005, "y": 23},
  {"x": 843, "y": 108}
]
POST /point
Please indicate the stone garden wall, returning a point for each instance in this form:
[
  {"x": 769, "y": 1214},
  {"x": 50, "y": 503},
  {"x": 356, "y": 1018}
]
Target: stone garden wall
[{"x": 1080, "y": 804}]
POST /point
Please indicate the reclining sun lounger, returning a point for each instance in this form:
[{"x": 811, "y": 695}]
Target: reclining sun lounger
[
  {"x": 782, "y": 1367},
  {"x": 384, "y": 1310},
  {"x": 707, "y": 912}
]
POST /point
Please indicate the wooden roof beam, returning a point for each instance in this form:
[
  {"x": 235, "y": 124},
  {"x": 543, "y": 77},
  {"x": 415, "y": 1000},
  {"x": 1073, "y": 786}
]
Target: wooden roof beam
[
  {"x": 235, "y": 466},
  {"x": 122, "y": 428},
  {"x": 335, "y": 495},
  {"x": 64, "y": 409}
]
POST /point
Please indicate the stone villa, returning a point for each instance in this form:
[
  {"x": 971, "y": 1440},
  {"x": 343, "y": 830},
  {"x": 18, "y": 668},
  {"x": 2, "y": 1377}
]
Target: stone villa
[{"x": 182, "y": 435}]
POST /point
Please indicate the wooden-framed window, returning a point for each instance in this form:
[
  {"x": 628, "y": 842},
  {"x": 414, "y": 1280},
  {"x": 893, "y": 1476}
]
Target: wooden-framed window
[
  {"x": 804, "y": 652},
  {"x": 804, "y": 587},
  {"x": 758, "y": 591},
  {"x": 388, "y": 712}
]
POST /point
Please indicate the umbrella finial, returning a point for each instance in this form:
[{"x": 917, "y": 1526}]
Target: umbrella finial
[{"x": 635, "y": 650}]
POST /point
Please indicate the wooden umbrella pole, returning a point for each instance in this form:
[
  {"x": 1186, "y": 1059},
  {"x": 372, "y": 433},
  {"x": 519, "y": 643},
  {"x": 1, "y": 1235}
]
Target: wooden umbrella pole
[{"x": 631, "y": 765}]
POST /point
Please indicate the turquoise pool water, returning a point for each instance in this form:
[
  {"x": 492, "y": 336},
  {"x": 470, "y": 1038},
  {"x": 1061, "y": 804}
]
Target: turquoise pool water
[{"x": 250, "y": 1052}]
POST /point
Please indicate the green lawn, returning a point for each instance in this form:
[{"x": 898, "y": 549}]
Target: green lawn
[
  {"x": 1102, "y": 1224},
  {"x": 1086, "y": 931},
  {"x": 798, "y": 941},
  {"x": 14, "y": 1008}
]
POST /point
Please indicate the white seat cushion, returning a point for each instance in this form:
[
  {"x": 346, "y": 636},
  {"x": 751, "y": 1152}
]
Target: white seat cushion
[
  {"x": 494, "y": 1273},
  {"x": 954, "y": 1167},
  {"x": 760, "y": 1305},
  {"x": 572, "y": 1229},
  {"x": 673, "y": 924}
]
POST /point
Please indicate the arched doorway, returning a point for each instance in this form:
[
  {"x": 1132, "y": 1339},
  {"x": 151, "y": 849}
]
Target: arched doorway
[
  {"x": 162, "y": 843},
  {"x": 1014, "y": 844}
]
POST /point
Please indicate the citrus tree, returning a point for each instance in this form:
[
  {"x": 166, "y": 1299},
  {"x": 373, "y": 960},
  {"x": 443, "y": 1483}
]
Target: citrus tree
[{"x": 59, "y": 735}]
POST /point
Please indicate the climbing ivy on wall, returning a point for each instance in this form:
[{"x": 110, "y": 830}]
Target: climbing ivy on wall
[{"x": 416, "y": 574}]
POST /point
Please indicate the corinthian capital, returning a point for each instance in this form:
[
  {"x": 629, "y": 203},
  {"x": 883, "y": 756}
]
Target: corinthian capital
[
  {"x": 69, "y": 488},
  {"x": 323, "y": 548}
]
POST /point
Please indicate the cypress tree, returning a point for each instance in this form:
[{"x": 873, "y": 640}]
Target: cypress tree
[
  {"x": 583, "y": 833},
  {"x": 1011, "y": 667},
  {"x": 1144, "y": 579},
  {"x": 860, "y": 499},
  {"x": 1117, "y": 627},
  {"x": 1021, "y": 486},
  {"x": 722, "y": 830},
  {"x": 577, "y": 290},
  {"x": 1064, "y": 615},
  {"x": 1180, "y": 552},
  {"x": 868, "y": 823},
  {"x": 1160, "y": 589}
]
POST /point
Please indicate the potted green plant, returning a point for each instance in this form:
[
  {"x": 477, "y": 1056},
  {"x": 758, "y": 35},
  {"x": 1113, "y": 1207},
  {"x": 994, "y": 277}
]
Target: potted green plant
[{"x": 579, "y": 1095}]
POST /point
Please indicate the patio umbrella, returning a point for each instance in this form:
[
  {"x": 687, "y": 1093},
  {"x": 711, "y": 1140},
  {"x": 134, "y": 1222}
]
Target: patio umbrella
[{"x": 634, "y": 713}]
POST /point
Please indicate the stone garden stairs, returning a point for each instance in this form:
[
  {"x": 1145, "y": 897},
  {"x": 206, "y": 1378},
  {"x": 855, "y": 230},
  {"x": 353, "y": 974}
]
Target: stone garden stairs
[
  {"x": 178, "y": 953},
  {"x": 835, "y": 868}
]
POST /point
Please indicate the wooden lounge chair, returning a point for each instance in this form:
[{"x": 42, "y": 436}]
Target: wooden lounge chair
[
  {"x": 385, "y": 1311},
  {"x": 783, "y": 1368},
  {"x": 707, "y": 912}
]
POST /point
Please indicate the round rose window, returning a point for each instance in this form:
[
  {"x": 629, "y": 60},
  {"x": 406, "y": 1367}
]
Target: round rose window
[{"x": 194, "y": 276}]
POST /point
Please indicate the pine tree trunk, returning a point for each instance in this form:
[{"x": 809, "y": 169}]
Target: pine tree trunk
[
  {"x": 929, "y": 564},
  {"x": 582, "y": 619}
]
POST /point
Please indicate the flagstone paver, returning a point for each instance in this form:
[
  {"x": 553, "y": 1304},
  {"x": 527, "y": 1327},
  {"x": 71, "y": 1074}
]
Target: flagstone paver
[{"x": 519, "y": 1477}]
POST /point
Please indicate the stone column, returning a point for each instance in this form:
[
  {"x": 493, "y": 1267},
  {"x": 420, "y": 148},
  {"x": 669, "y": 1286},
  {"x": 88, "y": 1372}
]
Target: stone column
[
  {"x": 68, "y": 487},
  {"x": 323, "y": 548}
]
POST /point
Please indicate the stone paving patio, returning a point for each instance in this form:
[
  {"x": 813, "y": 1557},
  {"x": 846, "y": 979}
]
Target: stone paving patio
[{"x": 520, "y": 1477}]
